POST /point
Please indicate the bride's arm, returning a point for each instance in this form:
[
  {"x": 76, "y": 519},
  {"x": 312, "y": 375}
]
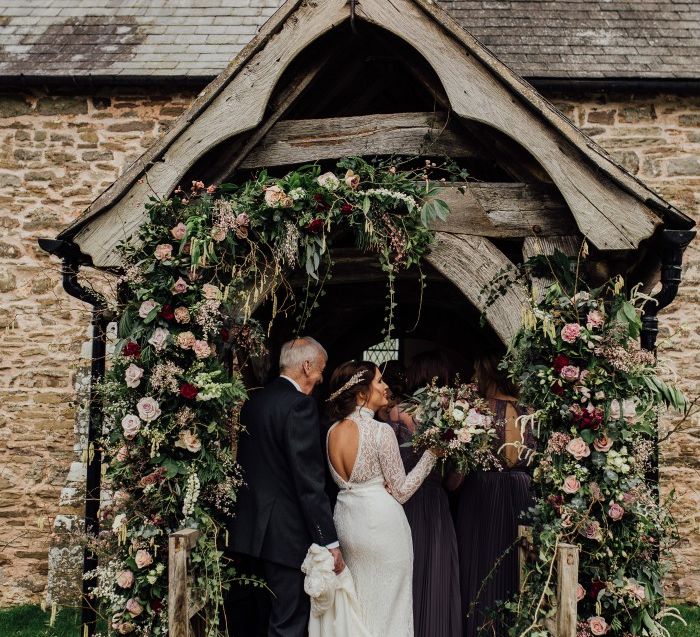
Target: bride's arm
[{"x": 401, "y": 486}]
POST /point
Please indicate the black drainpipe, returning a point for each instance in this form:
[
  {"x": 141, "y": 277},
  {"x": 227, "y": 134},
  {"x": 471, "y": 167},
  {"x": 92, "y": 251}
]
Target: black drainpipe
[
  {"x": 72, "y": 259},
  {"x": 673, "y": 245}
]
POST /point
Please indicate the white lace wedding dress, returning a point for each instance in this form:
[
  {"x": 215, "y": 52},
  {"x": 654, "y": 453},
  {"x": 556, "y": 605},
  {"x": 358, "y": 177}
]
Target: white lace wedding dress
[{"x": 372, "y": 528}]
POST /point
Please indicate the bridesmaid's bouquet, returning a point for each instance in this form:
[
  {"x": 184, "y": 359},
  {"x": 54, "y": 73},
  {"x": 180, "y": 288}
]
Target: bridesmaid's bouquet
[{"x": 456, "y": 421}]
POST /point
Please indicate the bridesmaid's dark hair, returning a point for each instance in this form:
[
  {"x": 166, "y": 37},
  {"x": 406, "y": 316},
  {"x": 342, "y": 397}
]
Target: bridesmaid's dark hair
[
  {"x": 426, "y": 366},
  {"x": 487, "y": 376},
  {"x": 342, "y": 405}
]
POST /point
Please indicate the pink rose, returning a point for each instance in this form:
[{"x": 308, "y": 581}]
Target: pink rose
[
  {"x": 186, "y": 340},
  {"x": 126, "y": 628},
  {"x": 182, "y": 314},
  {"x": 147, "y": 307},
  {"x": 602, "y": 443},
  {"x": 615, "y": 511},
  {"x": 352, "y": 180},
  {"x": 159, "y": 338},
  {"x": 122, "y": 454},
  {"x": 131, "y": 426},
  {"x": 180, "y": 286},
  {"x": 163, "y": 252},
  {"x": 148, "y": 409},
  {"x": 596, "y": 493},
  {"x": 125, "y": 579},
  {"x": 134, "y": 607},
  {"x": 211, "y": 292},
  {"x": 143, "y": 558},
  {"x": 218, "y": 233},
  {"x": 578, "y": 448},
  {"x": 133, "y": 375},
  {"x": 636, "y": 589},
  {"x": 188, "y": 440},
  {"x": 580, "y": 592},
  {"x": 179, "y": 231},
  {"x": 598, "y": 626},
  {"x": 242, "y": 220},
  {"x": 274, "y": 196},
  {"x": 569, "y": 373},
  {"x": 592, "y": 531},
  {"x": 594, "y": 319},
  {"x": 201, "y": 349},
  {"x": 571, "y": 484},
  {"x": 570, "y": 332}
]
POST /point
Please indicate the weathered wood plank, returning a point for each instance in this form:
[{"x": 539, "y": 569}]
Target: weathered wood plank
[
  {"x": 567, "y": 583},
  {"x": 472, "y": 262},
  {"x": 525, "y": 535},
  {"x": 308, "y": 140},
  {"x": 180, "y": 544},
  {"x": 607, "y": 214},
  {"x": 533, "y": 246},
  {"x": 504, "y": 210}
]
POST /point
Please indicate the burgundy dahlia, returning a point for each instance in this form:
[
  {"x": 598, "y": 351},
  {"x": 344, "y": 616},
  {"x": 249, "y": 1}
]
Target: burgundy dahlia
[
  {"x": 316, "y": 226},
  {"x": 346, "y": 208},
  {"x": 560, "y": 362},
  {"x": 167, "y": 313},
  {"x": 132, "y": 349},
  {"x": 188, "y": 391}
]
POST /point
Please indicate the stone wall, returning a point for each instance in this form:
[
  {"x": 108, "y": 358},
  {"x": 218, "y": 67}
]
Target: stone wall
[{"x": 58, "y": 152}]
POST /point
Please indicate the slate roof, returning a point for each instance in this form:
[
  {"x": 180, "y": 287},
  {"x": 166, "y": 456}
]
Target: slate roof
[{"x": 197, "y": 38}]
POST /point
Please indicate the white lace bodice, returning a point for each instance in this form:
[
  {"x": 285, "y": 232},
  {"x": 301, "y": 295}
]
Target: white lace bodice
[{"x": 378, "y": 456}]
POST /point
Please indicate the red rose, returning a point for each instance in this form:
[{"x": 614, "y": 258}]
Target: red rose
[
  {"x": 560, "y": 362},
  {"x": 316, "y": 226},
  {"x": 596, "y": 587},
  {"x": 167, "y": 313},
  {"x": 189, "y": 391},
  {"x": 132, "y": 349},
  {"x": 557, "y": 389},
  {"x": 321, "y": 203},
  {"x": 346, "y": 209},
  {"x": 224, "y": 334}
]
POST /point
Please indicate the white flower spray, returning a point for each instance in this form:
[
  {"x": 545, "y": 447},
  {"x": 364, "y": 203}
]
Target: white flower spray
[{"x": 191, "y": 494}]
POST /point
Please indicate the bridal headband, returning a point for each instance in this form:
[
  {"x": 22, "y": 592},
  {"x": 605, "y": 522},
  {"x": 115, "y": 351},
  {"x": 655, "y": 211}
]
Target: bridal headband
[{"x": 354, "y": 380}]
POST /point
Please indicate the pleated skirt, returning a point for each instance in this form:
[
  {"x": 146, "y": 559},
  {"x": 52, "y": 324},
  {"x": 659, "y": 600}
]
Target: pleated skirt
[
  {"x": 436, "y": 600},
  {"x": 491, "y": 505}
]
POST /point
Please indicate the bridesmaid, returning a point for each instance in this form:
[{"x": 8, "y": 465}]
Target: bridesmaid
[
  {"x": 490, "y": 507},
  {"x": 436, "y": 603}
]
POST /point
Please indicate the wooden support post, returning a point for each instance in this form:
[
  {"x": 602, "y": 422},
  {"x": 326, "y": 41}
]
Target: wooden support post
[
  {"x": 179, "y": 546},
  {"x": 567, "y": 583},
  {"x": 569, "y": 245},
  {"x": 525, "y": 535}
]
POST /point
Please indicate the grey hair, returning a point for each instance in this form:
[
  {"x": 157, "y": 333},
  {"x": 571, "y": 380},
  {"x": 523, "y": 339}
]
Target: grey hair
[{"x": 295, "y": 352}]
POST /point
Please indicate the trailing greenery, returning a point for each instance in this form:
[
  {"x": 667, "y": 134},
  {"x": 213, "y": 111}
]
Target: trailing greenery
[
  {"x": 596, "y": 398},
  {"x": 194, "y": 274}
]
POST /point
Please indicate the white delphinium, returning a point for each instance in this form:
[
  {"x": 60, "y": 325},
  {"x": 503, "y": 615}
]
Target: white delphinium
[
  {"x": 191, "y": 494},
  {"x": 393, "y": 194}
]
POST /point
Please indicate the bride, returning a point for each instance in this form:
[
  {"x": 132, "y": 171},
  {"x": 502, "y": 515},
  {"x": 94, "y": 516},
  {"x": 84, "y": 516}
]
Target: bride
[{"x": 374, "y": 535}]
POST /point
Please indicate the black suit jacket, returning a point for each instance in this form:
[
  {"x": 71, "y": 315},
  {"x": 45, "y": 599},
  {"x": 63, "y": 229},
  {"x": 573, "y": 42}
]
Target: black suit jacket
[{"x": 283, "y": 506}]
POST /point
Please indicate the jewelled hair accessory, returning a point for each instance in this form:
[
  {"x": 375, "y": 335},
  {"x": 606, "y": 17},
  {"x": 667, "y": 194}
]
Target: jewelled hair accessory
[{"x": 354, "y": 380}]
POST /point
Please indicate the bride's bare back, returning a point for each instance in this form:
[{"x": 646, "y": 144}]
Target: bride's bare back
[{"x": 343, "y": 445}]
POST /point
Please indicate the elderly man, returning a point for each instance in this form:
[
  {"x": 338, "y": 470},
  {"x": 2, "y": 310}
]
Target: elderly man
[{"x": 283, "y": 508}]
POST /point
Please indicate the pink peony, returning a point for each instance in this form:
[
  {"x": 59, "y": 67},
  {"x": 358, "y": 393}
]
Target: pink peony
[
  {"x": 147, "y": 307},
  {"x": 123, "y": 454},
  {"x": 188, "y": 440},
  {"x": 179, "y": 231},
  {"x": 125, "y": 579},
  {"x": 211, "y": 292},
  {"x": 571, "y": 484},
  {"x": 186, "y": 340},
  {"x": 130, "y": 426},
  {"x": 134, "y": 607},
  {"x": 126, "y": 628},
  {"x": 163, "y": 252},
  {"x": 615, "y": 511},
  {"x": 598, "y": 626},
  {"x": 180, "y": 286},
  {"x": 143, "y": 558},
  {"x": 594, "y": 319},
  {"x": 578, "y": 448},
  {"x": 133, "y": 375},
  {"x": 580, "y": 592},
  {"x": 148, "y": 409},
  {"x": 570, "y": 332},
  {"x": 182, "y": 314},
  {"x": 602, "y": 443},
  {"x": 201, "y": 349},
  {"x": 569, "y": 373},
  {"x": 274, "y": 196}
]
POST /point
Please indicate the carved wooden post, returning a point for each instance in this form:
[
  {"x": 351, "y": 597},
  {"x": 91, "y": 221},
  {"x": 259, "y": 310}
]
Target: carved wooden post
[
  {"x": 567, "y": 583},
  {"x": 179, "y": 546}
]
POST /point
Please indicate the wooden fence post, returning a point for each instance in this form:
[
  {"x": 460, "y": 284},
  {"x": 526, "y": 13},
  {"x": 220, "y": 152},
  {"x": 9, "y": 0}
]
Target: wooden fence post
[
  {"x": 567, "y": 583},
  {"x": 180, "y": 612}
]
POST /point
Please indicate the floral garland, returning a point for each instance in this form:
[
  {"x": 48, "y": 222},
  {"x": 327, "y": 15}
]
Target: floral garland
[
  {"x": 199, "y": 265},
  {"x": 596, "y": 397}
]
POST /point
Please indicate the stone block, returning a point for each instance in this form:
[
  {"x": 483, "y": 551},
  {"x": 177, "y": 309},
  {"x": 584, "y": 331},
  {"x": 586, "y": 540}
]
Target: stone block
[
  {"x": 25, "y": 154},
  {"x": 7, "y": 179},
  {"x": 689, "y": 119},
  {"x": 22, "y": 136},
  {"x": 637, "y": 113},
  {"x": 98, "y": 155},
  {"x": 602, "y": 117},
  {"x": 8, "y": 282},
  {"x": 62, "y": 106},
  {"x": 627, "y": 159},
  {"x": 39, "y": 175},
  {"x": 133, "y": 126},
  {"x": 14, "y": 107},
  {"x": 681, "y": 166},
  {"x": 9, "y": 251}
]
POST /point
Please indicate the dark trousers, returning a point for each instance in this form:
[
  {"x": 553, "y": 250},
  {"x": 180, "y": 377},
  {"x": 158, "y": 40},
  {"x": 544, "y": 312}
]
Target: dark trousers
[{"x": 289, "y": 616}]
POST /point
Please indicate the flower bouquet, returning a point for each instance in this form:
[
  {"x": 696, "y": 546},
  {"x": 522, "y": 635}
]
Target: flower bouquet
[{"x": 457, "y": 422}]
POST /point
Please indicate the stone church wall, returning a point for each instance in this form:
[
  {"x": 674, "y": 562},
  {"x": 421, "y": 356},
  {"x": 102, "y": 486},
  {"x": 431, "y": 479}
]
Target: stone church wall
[{"x": 58, "y": 152}]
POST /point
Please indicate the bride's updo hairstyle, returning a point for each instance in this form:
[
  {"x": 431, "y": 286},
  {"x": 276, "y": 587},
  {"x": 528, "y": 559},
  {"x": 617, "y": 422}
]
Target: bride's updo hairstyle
[{"x": 344, "y": 393}]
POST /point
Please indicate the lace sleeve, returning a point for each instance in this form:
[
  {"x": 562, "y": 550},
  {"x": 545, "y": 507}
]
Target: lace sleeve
[{"x": 402, "y": 486}]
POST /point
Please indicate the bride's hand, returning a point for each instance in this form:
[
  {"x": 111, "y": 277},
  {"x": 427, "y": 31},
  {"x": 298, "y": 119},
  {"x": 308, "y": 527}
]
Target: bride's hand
[{"x": 437, "y": 452}]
